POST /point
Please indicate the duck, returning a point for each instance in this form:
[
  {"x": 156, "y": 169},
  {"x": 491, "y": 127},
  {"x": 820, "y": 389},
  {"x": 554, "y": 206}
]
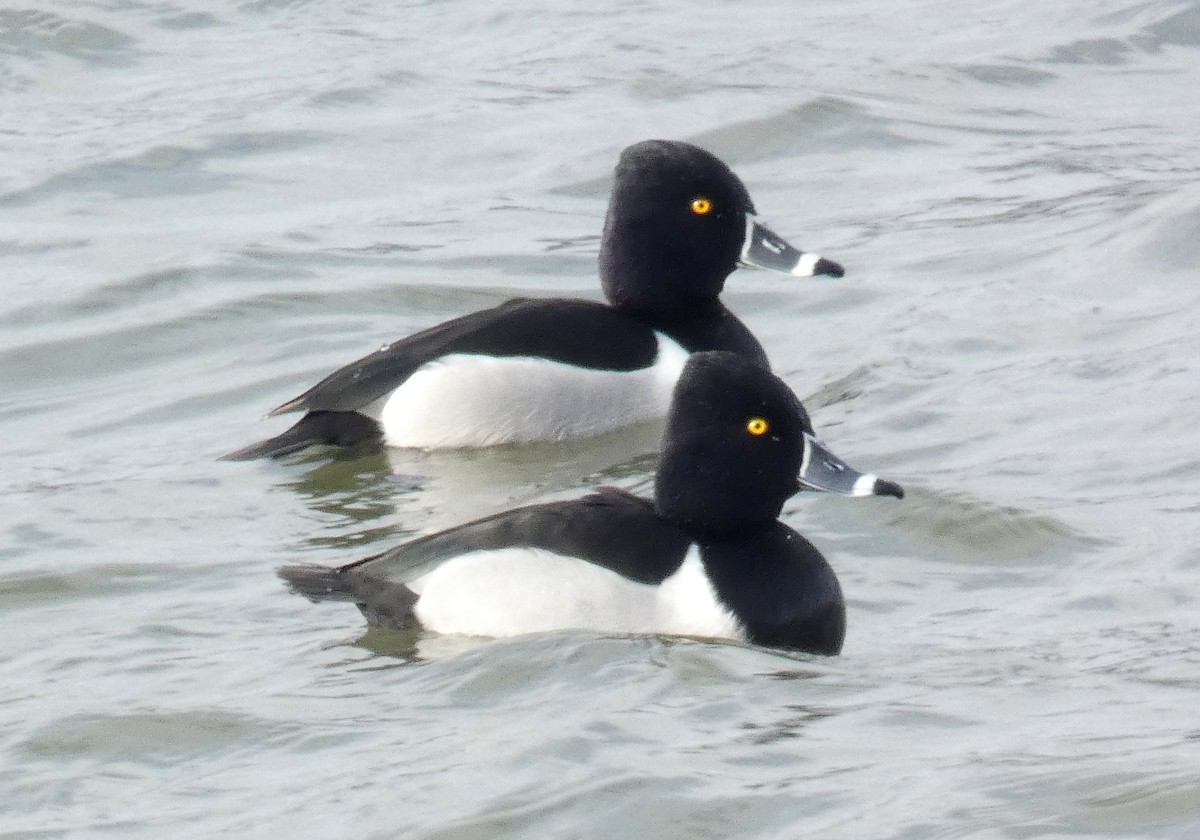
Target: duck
[
  {"x": 707, "y": 556},
  {"x": 531, "y": 370}
]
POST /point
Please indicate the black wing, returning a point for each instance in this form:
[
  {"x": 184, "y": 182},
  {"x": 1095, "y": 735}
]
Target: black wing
[
  {"x": 577, "y": 332},
  {"x": 610, "y": 528}
]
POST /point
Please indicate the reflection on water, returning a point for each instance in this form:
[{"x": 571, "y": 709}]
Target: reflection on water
[{"x": 410, "y": 491}]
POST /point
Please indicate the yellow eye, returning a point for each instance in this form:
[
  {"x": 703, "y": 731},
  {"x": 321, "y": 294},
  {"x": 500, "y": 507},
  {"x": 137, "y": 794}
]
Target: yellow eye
[
  {"x": 701, "y": 206},
  {"x": 758, "y": 426}
]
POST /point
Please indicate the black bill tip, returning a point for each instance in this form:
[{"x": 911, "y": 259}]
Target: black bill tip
[
  {"x": 883, "y": 487},
  {"x": 828, "y": 268}
]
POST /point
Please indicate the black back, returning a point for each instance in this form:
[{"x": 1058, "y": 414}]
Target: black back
[
  {"x": 610, "y": 528},
  {"x": 662, "y": 265},
  {"x": 731, "y": 455},
  {"x": 773, "y": 580},
  {"x": 577, "y": 332}
]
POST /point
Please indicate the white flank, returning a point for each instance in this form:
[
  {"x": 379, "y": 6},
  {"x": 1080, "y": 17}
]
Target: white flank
[
  {"x": 466, "y": 400},
  {"x": 519, "y": 590},
  {"x": 688, "y": 606}
]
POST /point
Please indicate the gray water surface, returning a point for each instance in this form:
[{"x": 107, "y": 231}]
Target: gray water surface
[{"x": 203, "y": 210}]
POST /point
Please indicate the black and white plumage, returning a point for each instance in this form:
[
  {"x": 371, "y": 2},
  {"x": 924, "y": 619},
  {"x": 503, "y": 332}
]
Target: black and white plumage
[
  {"x": 679, "y": 222},
  {"x": 706, "y": 557}
]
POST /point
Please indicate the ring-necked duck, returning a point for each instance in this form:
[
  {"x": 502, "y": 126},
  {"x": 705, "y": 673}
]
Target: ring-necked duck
[
  {"x": 679, "y": 222},
  {"x": 706, "y": 557}
]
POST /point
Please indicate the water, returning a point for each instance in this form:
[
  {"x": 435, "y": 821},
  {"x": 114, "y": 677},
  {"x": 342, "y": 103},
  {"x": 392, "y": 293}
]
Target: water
[{"x": 202, "y": 211}]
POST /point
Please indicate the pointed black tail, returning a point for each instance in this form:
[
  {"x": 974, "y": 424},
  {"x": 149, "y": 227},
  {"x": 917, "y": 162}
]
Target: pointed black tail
[
  {"x": 335, "y": 428},
  {"x": 384, "y": 603},
  {"x": 316, "y": 583}
]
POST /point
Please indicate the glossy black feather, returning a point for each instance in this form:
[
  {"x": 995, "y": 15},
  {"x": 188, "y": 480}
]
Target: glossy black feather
[
  {"x": 662, "y": 268},
  {"x": 574, "y": 332},
  {"x": 335, "y": 428},
  {"x": 733, "y": 448},
  {"x": 609, "y": 528},
  {"x": 780, "y": 587}
]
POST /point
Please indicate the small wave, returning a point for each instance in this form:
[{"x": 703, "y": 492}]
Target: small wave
[
  {"x": 154, "y": 736},
  {"x": 1180, "y": 28},
  {"x": 30, "y": 34},
  {"x": 937, "y": 526},
  {"x": 162, "y": 171},
  {"x": 93, "y": 582},
  {"x": 820, "y": 124}
]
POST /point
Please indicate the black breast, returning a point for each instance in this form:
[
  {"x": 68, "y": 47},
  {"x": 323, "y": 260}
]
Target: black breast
[{"x": 780, "y": 588}]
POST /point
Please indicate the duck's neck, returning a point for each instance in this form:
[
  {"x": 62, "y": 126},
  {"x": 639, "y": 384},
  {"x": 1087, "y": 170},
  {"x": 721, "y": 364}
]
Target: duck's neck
[{"x": 707, "y": 325}]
